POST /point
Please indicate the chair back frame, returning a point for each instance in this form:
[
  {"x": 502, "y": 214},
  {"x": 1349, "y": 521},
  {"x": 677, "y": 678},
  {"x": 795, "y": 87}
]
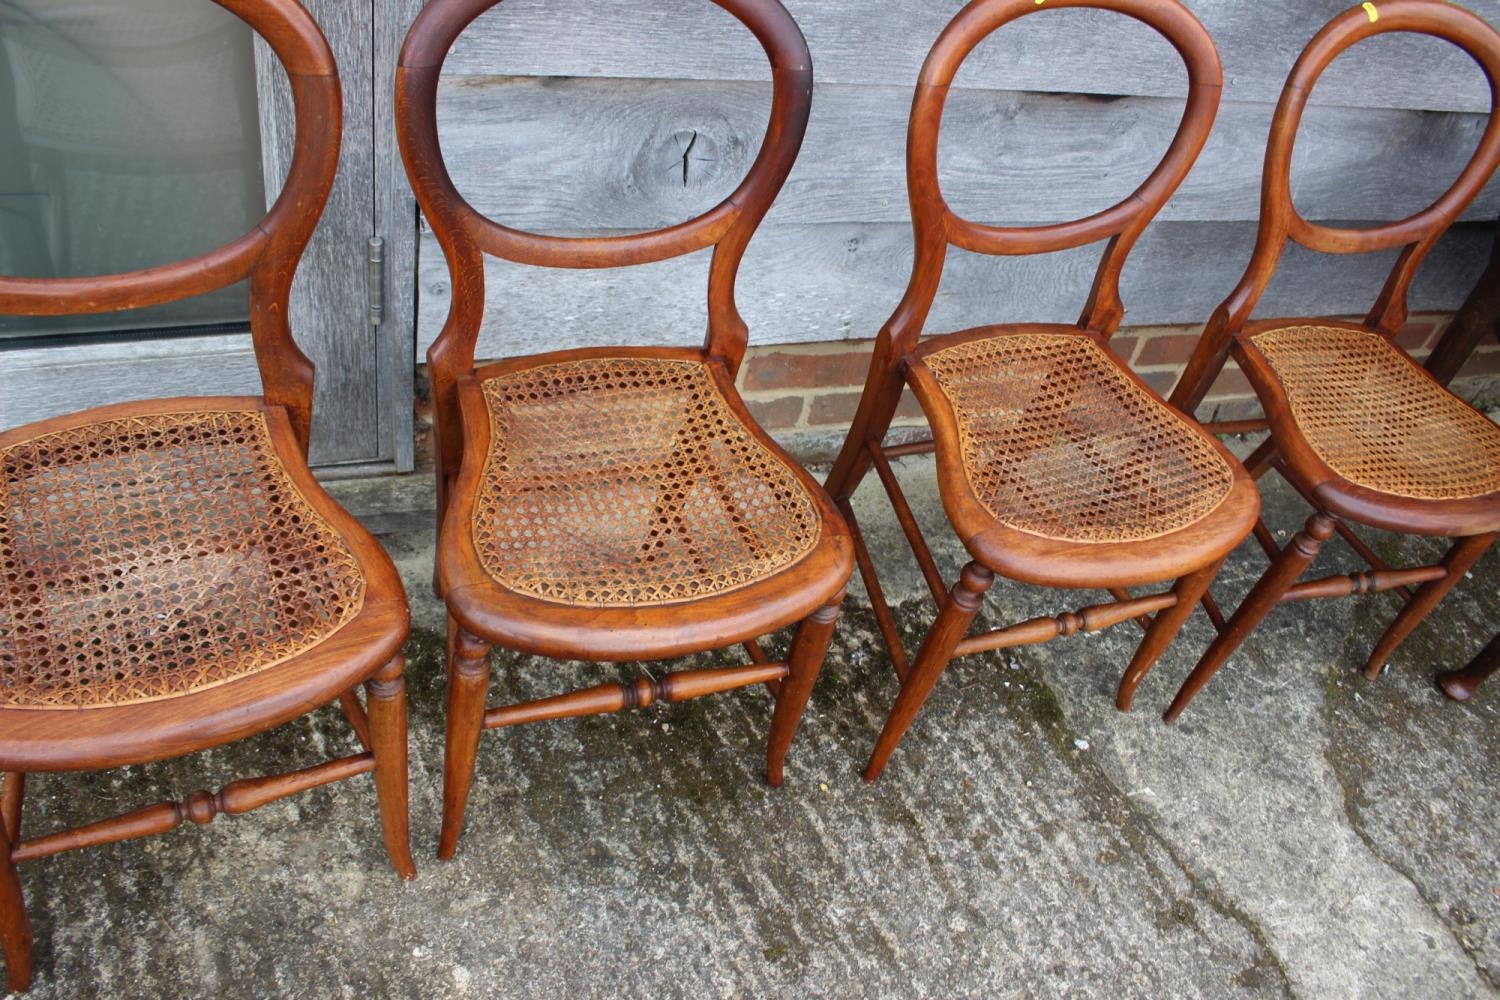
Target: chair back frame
[
  {"x": 267, "y": 254},
  {"x": 936, "y": 227},
  {"x": 466, "y": 235},
  {"x": 1280, "y": 220}
]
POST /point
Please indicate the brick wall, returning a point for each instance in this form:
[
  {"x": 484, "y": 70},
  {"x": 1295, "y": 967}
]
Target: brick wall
[{"x": 805, "y": 395}]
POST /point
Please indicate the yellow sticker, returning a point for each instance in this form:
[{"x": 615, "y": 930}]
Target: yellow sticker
[
  {"x": 1040, "y": 2},
  {"x": 1370, "y": 10}
]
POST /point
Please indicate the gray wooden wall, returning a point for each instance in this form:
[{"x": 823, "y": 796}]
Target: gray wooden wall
[{"x": 573, "y": 116}]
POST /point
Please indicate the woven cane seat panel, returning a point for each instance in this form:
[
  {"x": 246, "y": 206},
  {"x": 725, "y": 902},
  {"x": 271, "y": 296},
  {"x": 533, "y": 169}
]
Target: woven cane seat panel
[
  {"x": 148, "y": 557},
  {"x": 1376, "y": 420},
  {"x": 1058, "y": 442},
  {"x": 629, "y": 481}
]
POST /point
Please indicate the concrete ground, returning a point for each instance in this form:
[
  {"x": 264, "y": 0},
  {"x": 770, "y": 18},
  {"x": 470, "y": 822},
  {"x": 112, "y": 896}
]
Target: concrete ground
[{"x": 1301, "y": 832}]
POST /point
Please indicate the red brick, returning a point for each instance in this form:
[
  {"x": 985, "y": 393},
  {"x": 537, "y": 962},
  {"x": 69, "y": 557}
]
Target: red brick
[
  {"x": 1123, "y": 347},
  {"x": 776, "y": 414},
  {"x": 1231, "y": 384},
  {"x": 833, "y": 408},
  {"x": 785, "y": 370},
  {"x": 1161, "y": 381},
  {"x": 1172, "y": 349},
  {"x": 837, "y": 409}
]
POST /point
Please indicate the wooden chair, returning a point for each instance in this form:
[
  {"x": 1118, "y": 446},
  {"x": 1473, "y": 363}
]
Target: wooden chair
[
  {"x": 1056, "y": 464},
  {"x": 615, "y": 504},
  {"x": 172, "y": 578},
  {"x": 1358, "y": 428}
]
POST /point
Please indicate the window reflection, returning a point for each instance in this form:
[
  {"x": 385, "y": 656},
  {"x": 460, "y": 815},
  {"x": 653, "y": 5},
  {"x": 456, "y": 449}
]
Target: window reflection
[{"x": 129, "y": 137}]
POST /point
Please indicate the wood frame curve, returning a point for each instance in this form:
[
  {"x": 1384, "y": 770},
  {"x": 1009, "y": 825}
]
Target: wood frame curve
[
  {"x": 366, "y": 650},
  {"x": 1472, "y": 521},
  {"x": 481, "y": 610},
  {"x": 1192, "y": 554},
  {"x": 286, "y": 373},
  {"x": 1280, "y": 220},
  {"x": 466, "y": 236}
]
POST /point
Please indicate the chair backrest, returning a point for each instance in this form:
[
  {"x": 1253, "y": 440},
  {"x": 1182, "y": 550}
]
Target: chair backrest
[
  {"x": 1279, "y": 219},
  {"x": 466, "y": 235},
  {"x": 268, "y": 254},
  {"x": 937, "y": 226}
]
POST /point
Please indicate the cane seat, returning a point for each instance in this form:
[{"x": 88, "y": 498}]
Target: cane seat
[
  {"x": 624, "y": 481},
  {"x": 155, "y": 555},
  {"x": 1057, "y": 441},
  {"x": 1376, "y": 419}
]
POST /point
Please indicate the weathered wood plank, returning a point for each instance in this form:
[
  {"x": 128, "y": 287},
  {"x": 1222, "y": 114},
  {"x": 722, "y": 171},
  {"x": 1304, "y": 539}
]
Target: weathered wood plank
[
  {"x": 396, "y": 223},
  {"x": 857, "y": 42},
  {"x": 45, "y": 382},
  {"x": 803, "y": 284},
  {"x": 554, "y": 155},
  {"x": 328, "y": 295}
]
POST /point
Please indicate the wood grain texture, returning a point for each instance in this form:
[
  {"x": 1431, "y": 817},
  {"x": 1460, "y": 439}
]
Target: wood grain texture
[
  {"x": 36, "y": 384},
  {"x": 328, "y": 296},
  {"x": 554, "y": 155},
  {"x": 396, "y": 222},
  {"x": 862, "y": 43},
  {"x": 803, "y": 284}
]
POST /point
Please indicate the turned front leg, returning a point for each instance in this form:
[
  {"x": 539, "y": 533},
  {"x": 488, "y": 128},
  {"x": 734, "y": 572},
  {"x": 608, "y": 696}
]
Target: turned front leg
[
  {"x": 468, "y": 685},
  {"x": 386, "y": 694},
  {"x": 937, "y": 649},
  {"x": 809, "y": 646}
]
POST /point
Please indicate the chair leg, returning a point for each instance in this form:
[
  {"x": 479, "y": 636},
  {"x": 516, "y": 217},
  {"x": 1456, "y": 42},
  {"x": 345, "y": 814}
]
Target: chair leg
[
  {"x": 1464, "y": 554},
  {"x": 937, "y": 649},
  {"x": 468, "y": 684},
  {"x": 15, "y": 929},
  {"x": 12, "y": 792},
  {"x": 806, "y": 659},
  {"x": 1164, "y": 628},
  {"x": 1264, "y": 596},
  {"x": 386, "y": 692},
  {"x": 1460, "y": 685}
]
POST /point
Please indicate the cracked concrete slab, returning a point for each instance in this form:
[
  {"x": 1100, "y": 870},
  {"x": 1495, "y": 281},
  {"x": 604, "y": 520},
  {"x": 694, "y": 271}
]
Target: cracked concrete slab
[{"x": 1301, "y": 832}]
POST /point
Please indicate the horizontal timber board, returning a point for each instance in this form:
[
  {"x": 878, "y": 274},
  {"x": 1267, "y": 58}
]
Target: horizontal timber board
[
  {"x": 44, "y": 382},
  {"x": 1061, "y": 51},
  {"x": 551, "y": 155},
  {"x": 806, "y": 284}
]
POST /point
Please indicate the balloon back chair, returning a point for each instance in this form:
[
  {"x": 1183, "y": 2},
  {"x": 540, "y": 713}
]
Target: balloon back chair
[
  {"x": 1057, "y": 466},
  {"x": 1358, "y": 428},
  {"x": 172, "y": 578},
  {"x": 615, "y": 504}
]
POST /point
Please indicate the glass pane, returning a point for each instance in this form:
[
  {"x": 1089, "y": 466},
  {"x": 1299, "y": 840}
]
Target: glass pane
[{"x": 128, "y": 138}]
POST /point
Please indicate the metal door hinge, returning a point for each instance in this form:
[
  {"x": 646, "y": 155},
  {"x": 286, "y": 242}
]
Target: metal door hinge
[{"x": 375, "y": 280}]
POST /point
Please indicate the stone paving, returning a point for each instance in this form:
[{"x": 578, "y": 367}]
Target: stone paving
[{"x": 1300, "y": 832}]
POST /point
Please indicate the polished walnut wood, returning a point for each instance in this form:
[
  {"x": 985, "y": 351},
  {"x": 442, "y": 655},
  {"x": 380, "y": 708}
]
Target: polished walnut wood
[
  {"x": 1358, "y": 428},
  {"x": 174, "y": 577},
  {"x": 615, "y": 504},
  {"x": 1056, "y": 464}
]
